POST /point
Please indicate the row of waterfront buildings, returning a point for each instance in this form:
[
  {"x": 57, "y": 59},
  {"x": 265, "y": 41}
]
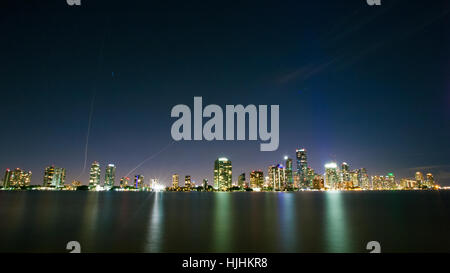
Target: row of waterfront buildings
[{"x": 279, "y": 177}]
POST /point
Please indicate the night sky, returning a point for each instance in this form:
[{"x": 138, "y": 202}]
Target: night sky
[{"x": 366, "y": 85}]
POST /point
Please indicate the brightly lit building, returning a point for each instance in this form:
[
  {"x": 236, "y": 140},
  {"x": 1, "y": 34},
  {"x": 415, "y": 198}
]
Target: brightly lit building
[
  {"x": 94, "y": 175},
  {"x": 430, "y": 180},
  {"x": 222, "y": 174},
  {"x": 302, "y": 165},
  {"x": 332, "y": 176},
  {"x": 175, "y": 181},
  {"x": 17, "y": 178},
  {"x": 289, "y": 173},
  {"x": 419, "y": 179},
  {"x": 277, "y": 177},
  {"x": 110, "y": 176},
  {"x": 187, "y": 181},
  {"x": 257, "y": 179},
  {"x": 139, "y": 182},
  {"x": 124, "y": 182},
  {"x": 365, "y": 181}
]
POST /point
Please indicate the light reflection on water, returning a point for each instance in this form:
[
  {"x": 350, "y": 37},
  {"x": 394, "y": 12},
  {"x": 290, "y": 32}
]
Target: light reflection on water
[{"x": 224, "y": 222}]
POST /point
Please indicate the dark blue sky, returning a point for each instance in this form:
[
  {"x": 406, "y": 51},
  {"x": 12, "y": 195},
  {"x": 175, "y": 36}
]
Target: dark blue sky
[{"x": 365, "y": 85}]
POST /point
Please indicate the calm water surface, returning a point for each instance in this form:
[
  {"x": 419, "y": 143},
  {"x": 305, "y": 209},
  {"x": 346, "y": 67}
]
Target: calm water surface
[{"x": 225, "y": 222}]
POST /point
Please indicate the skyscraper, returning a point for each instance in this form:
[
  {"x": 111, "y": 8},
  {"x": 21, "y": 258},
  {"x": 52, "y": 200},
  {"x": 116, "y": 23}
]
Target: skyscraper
[
  {"x": 241, "y": 180},
  {"x": 365, "y": 181},
  {"x": 49, "y": 172},
  {"x": 277, "y": 177},
  {"x": 257, "y": 179},
  {"x": 302, "y": 165},
  {"x": 430, "y": 180},
  {"x": 124, "y": 182},
  {"x": 7, "y": 179},
  {"x": 289, "y": 174},
  {"x": 110, "y": 176},
  {"x": 187, "y": 181},
  {"x": 222, "y": 174},
  {"x": 139, "y": 182},
  {"x": 94, "y": 176},
  {"x": 331, "y": 176},
  {"x": 175, "y": 180},
  {"x": 419, "y": 179}
]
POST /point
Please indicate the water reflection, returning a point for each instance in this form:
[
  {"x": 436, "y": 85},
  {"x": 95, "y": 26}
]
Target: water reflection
[
  {"x": 288, "y": 224},
  {"x": 336, "y": 229},
  {"x": 156, "y": 224},
  {"x": 223, "y": 222}
]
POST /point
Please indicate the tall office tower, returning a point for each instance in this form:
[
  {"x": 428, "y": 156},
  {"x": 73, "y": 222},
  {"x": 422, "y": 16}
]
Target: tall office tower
[
  {"x": 110, "y": 176},
  {"x": 419, "y": 179},
  {"x": 390, "y": 182},
  {"x": 277, "y": 177},
  {"x": 241, "y": 180},
  {"x": 124, "y": 182},
  {"x": 354, "y": 178},
  {"x": 430, "y": 180},
  {"x": 139, "y": 182},
  {"x": 345, "y": 174},
  {"x": 7, "y": 179},
  {"x": 377, "y": 182},
  {"x": 94, "y": 175},
  {"x": 331, "y": 176},
  {"x": 222, "y": 174},
  {"x": 187, "y": 181},
  {"x": 205, "y": 184},
  {"x": 257, "y": 179},
  {"x": 289, "y": 174},
  {"x": 49, "y": 172},
  {"x": 318, "y": 182},
  {"x": 364, "y": 181},
  {"x": 175, "y": 180},
  {"x": 302, "y": 165},
  {"x": 309, "y": 177}
]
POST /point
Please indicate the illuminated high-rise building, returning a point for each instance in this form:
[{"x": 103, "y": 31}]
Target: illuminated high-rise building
[
  {"x": 175, "y": 180},
  {"x": 49, "y": 172},
  {"x": 289, "y": 173},
  {"x": 257, "y": 179},
  {"x": 7, "y": 179},
  {"x": 187, "y": 181},
  {"x": 345, "y": 174},
  {"x": 277, "y": 177},
  {"x": 17, "y": 178},
  {"x": 241, "y": 180},
  {"x": 430, "y": 180},
  {"x": 302, "y": 165},
  {"x": 222, "y": 174},
  {"x": 378, "y": 182},
  {"x": 318, "y": 183},
  {"x": 364, "y": 180},
  {"x": 355, "y": 178},
  {"x": 124, "y": 182},
  {"x": 390, "y": 181},
  {"x": 54, "y": 177},
  {"x": 139, "y": 182},
  {"x": 331, "y": 176},
  {"x": 110, "y": 176},
  {"x": 419, "y": 179},
  {"x": 94, "y": 175}
]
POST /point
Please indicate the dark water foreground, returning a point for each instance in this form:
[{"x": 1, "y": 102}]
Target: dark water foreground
[{"x": 225, "y": 222}]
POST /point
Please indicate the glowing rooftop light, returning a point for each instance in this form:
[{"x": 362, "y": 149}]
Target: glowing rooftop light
[
  {"x": 331, "y": 165},
  {"x": 286, "y": 157},
  {"x": 223, "y": 159}
]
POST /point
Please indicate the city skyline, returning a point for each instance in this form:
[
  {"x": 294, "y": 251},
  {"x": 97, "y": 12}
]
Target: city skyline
[
  {"x": 99, "y": 84},
  {"x": 302, "y": 176}
]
